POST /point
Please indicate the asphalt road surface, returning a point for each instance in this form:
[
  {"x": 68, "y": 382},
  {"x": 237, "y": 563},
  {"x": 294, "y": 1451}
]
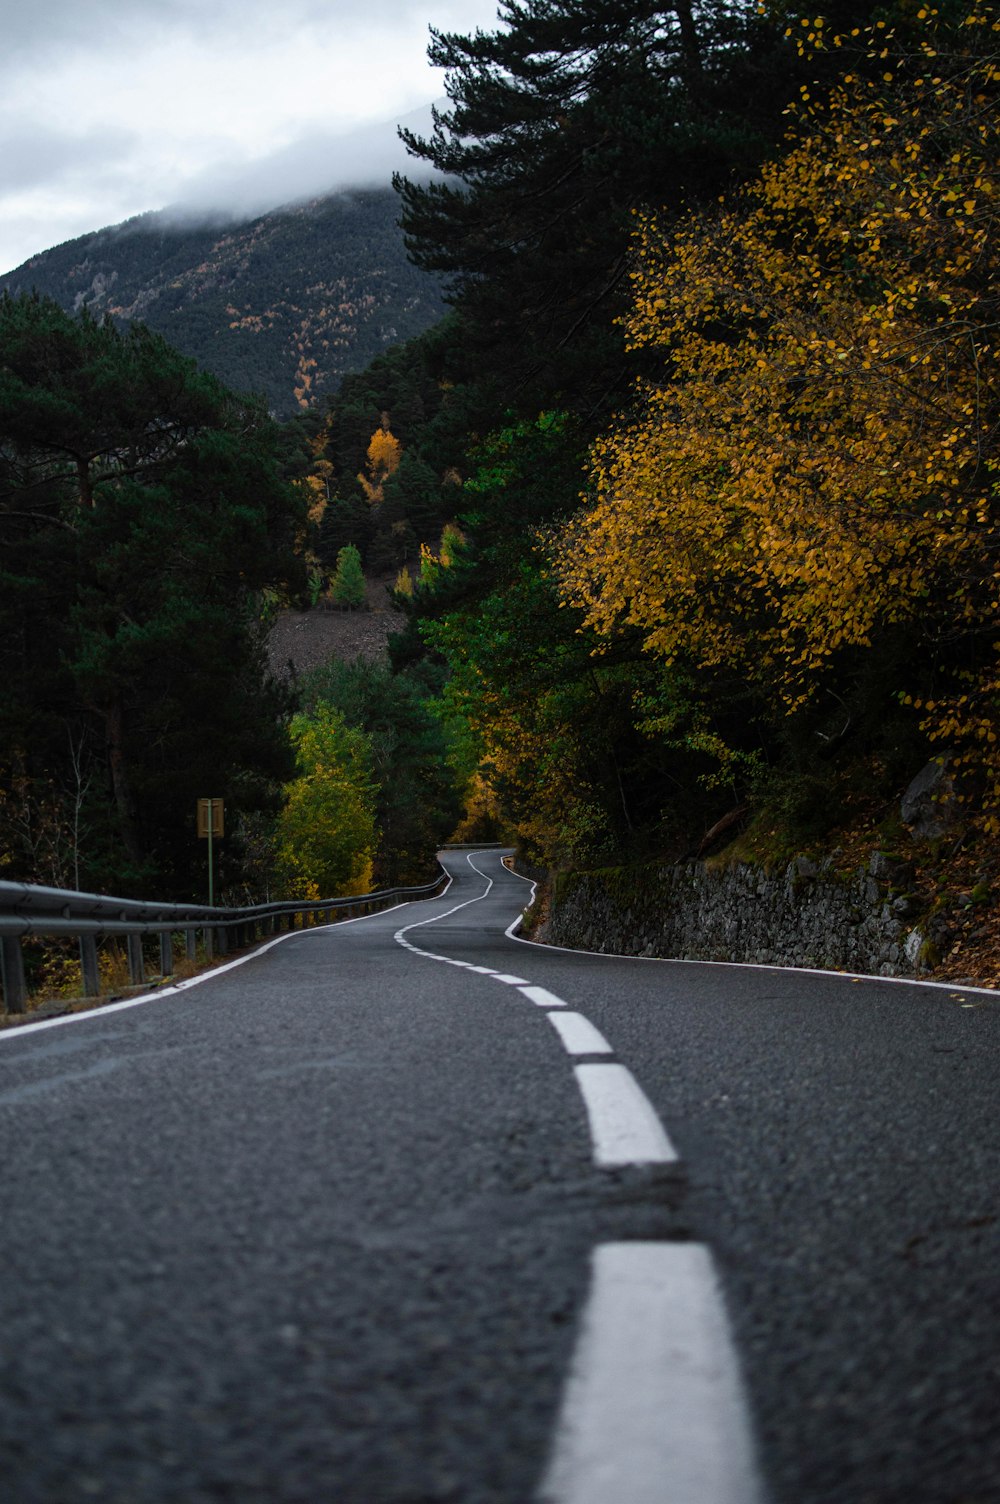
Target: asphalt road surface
[{"x": 408, "y": 1210}]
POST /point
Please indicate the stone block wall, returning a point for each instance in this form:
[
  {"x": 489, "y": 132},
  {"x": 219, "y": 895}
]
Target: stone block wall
[{"x": 806, "y": 914}]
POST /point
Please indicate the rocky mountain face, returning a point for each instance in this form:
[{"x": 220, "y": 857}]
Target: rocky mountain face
[{"x": 284, "y": 304}]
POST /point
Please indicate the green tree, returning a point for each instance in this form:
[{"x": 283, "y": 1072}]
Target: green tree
[
  {"x": 417, "y": 797},
  {"x": 560, "y": 123},
  {"x": 347, "y": 588},
  {"x": 142, "y": 514},
  {"x": 326, "y": 830}
]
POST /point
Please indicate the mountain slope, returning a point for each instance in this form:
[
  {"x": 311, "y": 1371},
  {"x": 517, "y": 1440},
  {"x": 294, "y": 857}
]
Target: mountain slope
[{"x": 284, "y": 304}]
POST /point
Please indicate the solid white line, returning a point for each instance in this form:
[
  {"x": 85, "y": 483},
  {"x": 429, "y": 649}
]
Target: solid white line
[
  {"x": 543, "y": 997},
  {"x": 653, "y": 1412},
  {"x": 578, "y": 1034},
  {"x": 624, "y": 1126},
  {"x": 807, "y": 971},
  {"x": 400, "y": 934},
  {"x": 18, "y": 1031}
]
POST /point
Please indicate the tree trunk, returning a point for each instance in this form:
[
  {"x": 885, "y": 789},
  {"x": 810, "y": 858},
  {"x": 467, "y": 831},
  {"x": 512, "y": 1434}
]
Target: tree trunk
[
  {"x": 86, "y": 490},
  {"x": 690, "y": 41},
  {"x": 114, "y": 729}
]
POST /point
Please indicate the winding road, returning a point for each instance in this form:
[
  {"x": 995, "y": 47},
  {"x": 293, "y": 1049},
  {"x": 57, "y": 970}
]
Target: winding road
[{"x": 409, "y": 1211}]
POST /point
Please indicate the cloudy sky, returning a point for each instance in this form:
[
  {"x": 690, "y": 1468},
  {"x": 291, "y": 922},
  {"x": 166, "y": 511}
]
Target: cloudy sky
[{"x": 112, "y": 107}]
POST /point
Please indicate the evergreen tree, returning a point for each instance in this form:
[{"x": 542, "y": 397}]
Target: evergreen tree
[
  {"x": 347, "y": 588},
  {"x": 141, "y": 513},
  {"x": 417, "y": 805},
  {"x": 561, "y": 122}
]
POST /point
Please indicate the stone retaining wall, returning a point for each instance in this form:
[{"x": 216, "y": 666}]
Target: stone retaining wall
[{"x": 807, "y": 914}]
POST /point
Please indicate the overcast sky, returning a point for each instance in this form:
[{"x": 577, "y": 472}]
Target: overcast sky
[{"x": 112, "y": 107}]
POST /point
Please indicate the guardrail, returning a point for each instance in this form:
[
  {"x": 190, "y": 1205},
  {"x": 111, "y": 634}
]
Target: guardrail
[{"x": 27, "y": 910}]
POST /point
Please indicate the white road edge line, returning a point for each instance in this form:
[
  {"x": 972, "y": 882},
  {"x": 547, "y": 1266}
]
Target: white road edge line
[
  {"x": 18, "y": 1031},
  {"x": 807, "y": 971},
  {"x": 408, "y": 945},
  {"x": 624, "y": 1126},
  {"x": 653, "y": 1410},
  {"x": 578, "y": 1034}
]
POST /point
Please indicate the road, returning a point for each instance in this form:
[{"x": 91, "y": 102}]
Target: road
[{"x": 366, "y": 1219}]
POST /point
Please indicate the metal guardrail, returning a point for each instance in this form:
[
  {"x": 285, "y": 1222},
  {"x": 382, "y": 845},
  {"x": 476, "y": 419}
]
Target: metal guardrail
[{"x": 27, "y": 910}]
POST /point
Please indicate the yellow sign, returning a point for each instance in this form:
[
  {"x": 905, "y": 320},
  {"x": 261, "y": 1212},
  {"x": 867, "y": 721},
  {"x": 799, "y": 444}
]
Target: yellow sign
[{"x": 211, "y": 809}]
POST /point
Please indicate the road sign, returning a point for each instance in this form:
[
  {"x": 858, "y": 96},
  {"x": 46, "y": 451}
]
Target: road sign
[{"x": 211, "y": 810}]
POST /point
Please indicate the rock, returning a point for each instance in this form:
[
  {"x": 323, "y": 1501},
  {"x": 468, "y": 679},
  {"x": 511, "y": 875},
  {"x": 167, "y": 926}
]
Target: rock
[
  {"x": 891, "y": 869},
  {"x": 929, "y": 806},
  {"x": 912, "y": 946}
]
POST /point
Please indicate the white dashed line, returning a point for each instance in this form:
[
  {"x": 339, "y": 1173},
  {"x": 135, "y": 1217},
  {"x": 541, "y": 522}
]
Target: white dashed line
[
  {"x": 624, "y": 1126},
  {"x": 579, "y": 1035},
  {"x": 543, "y": 997},
  {"x": 653, "y": 1411}
]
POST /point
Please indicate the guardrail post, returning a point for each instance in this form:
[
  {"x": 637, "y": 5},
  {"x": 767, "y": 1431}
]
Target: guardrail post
[
  {"x": 209, "y": 936},
  {"x": 191, "y": 944},
  {"x": 89, "y": 967},
  {"x": 166, "y": 953},
  {"x": 221, "y": 940},
  {"x": 12, "y": 974},
  {"x": 136, "y": 965}
]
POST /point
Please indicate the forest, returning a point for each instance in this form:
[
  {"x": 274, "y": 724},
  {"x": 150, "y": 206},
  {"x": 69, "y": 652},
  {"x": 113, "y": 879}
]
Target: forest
[
  {"x": 690, "y": 498},
  {"x": 710, "y": 428},
  {"x": 282, "y": 305}
]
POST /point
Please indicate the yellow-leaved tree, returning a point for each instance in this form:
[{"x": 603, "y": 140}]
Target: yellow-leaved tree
[
  {"x": 326, "y": 831},
  {"x": 816, "y": 463},
  {"x": 384, "y": 454}
]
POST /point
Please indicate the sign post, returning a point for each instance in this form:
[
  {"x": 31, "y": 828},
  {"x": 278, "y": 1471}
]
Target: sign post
[{"x": 211, "y": 823}]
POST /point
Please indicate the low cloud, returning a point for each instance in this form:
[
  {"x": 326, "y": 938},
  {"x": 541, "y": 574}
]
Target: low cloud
[
  {"x": 113, "y": 108},
  {"x": 30, "y": 157},
  {"x": 319, "y": 163}
]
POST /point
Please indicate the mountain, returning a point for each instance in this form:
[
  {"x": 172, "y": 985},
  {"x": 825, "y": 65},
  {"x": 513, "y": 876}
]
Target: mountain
[{"x": 284, "y": 304}]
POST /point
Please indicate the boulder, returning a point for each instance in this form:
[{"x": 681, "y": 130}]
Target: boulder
[{"x": 929, "y": 806}]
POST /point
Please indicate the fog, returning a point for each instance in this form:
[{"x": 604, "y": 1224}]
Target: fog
[
  {"x": 112, "y": 108},
  {"x": 323, "y": 163}
]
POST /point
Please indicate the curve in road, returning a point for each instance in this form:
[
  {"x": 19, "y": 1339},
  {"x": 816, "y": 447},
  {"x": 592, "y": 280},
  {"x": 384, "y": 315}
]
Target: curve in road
[{"x": 342, "y": 1220}]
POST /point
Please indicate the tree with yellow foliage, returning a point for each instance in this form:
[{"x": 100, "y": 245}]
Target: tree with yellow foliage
[
  {"x": 816, "y": 464},
  {"x": 384, "y": 454},
  {"x": 326, "y": 831}
]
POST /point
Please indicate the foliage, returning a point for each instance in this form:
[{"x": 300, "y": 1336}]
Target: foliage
[
  {"x": 347, "y": 588},
  {"x": 560, "y": 122},
  {"x": 383, "y": 456},
  {"x": 415, "y": 785},
  {"x": 810, "y": 479},
  {"x": 548, "y": 728},
  {"x": 284, "y": 305},
  {"x": 327, "y": 830},
  {"x": 142, "y": 517}
]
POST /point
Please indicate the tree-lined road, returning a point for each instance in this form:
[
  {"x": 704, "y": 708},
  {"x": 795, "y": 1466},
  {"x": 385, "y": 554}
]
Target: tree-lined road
[{"x": 328, "y": 1226}]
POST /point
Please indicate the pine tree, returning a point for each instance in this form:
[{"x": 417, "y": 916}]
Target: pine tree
[
  {"x": 347, "y": 588},
  {"x": 561, "y": 123},
  {"x": 141, "y": 508}
]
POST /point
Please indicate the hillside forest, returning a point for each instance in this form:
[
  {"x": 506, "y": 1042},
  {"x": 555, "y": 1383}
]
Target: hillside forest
[
  {"x": 281, "y": 305},
  {"x": 690, "y": 499}
]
